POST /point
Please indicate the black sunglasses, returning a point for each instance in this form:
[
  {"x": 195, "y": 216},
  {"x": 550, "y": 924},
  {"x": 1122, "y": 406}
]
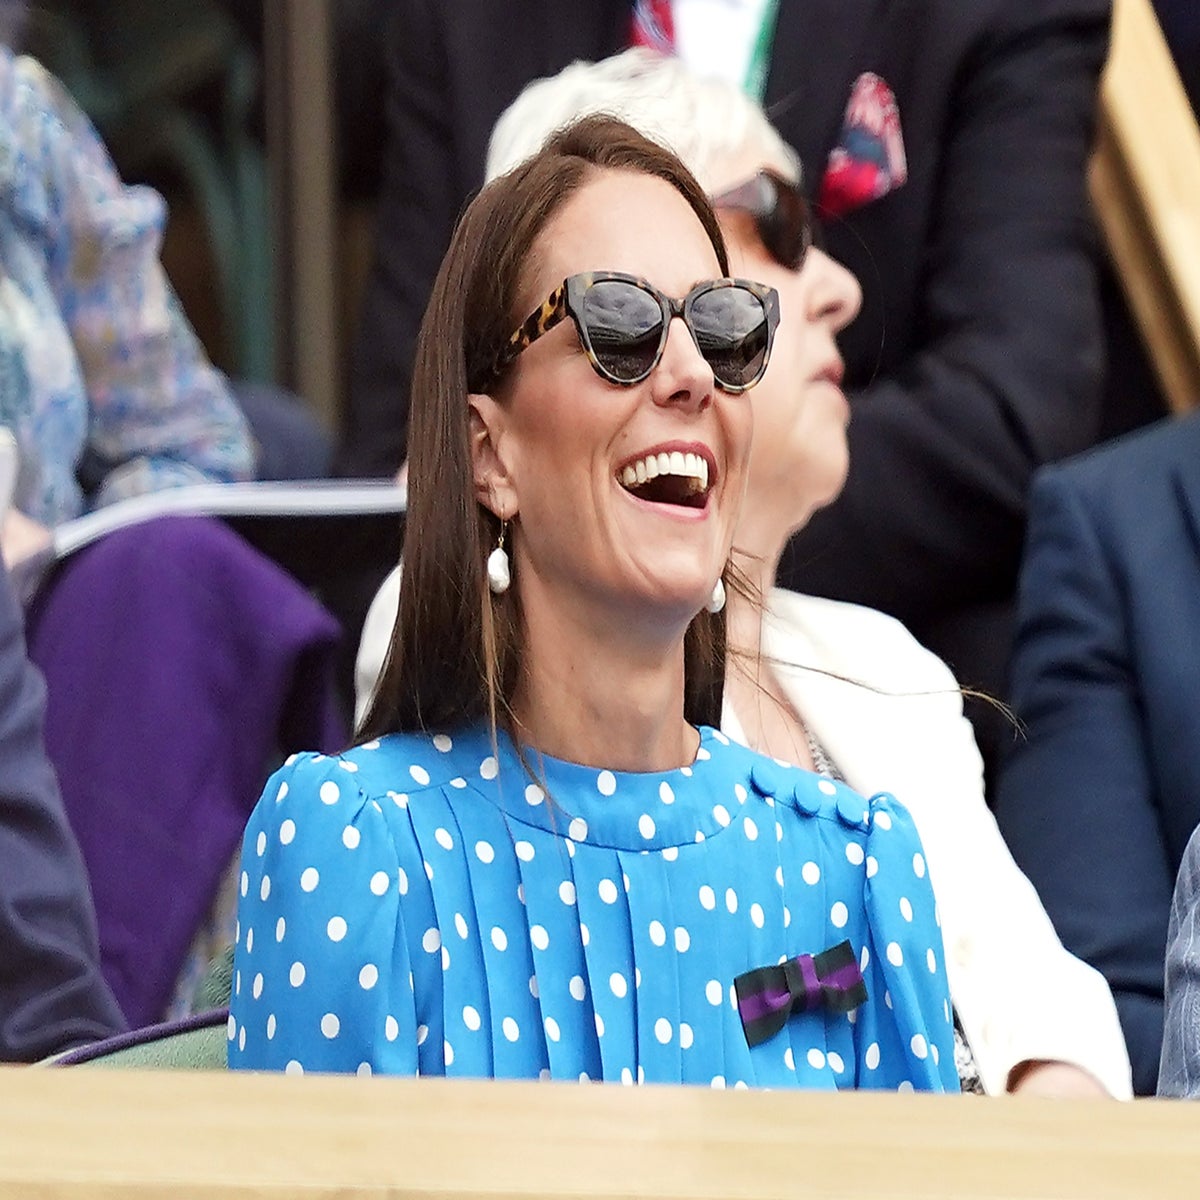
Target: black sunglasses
[
  {"x": 622, "y": 322},
  {"x": 781, "y": 215}
]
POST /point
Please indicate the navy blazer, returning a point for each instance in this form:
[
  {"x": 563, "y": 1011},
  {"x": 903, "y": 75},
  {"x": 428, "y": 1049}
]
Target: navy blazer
[
  {"x": 977, "y": 354},
  {"x": 52, "y": 995},
  {"x": 1100, "y": 798}
]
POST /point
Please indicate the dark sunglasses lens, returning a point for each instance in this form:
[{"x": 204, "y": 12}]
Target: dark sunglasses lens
[
  {"x": 785, "y": 225},
  {"x": 730, "y": 327},
  {"x": 623, "y": 325}
]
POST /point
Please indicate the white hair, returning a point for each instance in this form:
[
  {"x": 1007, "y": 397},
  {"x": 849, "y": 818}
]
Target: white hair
[{"x": 709, "y": 123}]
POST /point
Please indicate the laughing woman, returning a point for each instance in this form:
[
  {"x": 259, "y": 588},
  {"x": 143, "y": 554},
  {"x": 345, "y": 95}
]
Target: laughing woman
[{"x": 542, "y": 860}]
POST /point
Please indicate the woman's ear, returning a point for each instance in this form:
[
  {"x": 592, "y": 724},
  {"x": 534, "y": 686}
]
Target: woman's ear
[{"x": 495, "y": 488}]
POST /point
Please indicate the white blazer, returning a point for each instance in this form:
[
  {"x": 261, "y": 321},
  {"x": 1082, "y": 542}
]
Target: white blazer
[{"x": 899, "y": 728}]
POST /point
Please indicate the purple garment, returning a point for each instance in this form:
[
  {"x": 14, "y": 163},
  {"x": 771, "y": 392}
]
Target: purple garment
[{"x": 180, "y": 665}]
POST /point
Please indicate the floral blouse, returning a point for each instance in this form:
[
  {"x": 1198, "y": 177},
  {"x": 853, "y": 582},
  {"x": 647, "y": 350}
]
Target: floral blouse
[{"x": 96, "y": 355}]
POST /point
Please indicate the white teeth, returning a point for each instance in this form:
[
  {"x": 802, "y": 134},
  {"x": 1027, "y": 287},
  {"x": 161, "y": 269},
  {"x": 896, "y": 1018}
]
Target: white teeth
[{"x": 687, "y": 466}]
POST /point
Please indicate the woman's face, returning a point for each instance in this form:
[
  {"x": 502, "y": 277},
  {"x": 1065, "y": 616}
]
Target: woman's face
[
  {"x": 799, "y": 458},
  {"x": 561, "y": 437}
]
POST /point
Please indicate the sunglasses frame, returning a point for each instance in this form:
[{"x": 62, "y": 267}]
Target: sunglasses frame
[
  {"x": 567, "y": 300},
  {"x": 763, "y": 197}
]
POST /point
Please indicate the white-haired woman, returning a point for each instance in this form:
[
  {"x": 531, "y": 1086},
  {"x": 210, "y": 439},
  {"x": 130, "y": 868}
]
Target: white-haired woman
[{"x": 819, "y": 683}]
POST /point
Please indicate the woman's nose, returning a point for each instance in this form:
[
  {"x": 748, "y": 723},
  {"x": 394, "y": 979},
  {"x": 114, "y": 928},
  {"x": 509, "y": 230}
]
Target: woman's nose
[
  {"x": 835, "y": 295},
  {"x": 682, "y": 377}
]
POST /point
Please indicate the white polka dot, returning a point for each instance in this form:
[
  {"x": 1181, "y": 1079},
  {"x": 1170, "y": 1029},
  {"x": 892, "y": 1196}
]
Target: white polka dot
[
  {"x": 368, "y": 977},
  {"x": 854, "y": 854},
  {"x": 577, "y": 830},
  {"x": 919, "y": 866},
  {"x": 887, "y": 999},
  {"x": 731, "y": 900},
  {"x": 422, "y": 1031},
  {"x": 686, "y": 771},
  {"x": 432, "y": 940},
  {"x": 721, "y": 815},
  {"x": 599, "y": 1025},
  {"x": 293, "y": 1068},
  {"x": 864, "y": 958},
  {"x": 282, "y": 793},
  {"x": 718, "y": 1081},
  {"x": 670, "y": 853},
  {"x": 778, "y": 832},
  {"x": 789, "y": 1059},
  {"x": 686, "y": 1036},
  {"x": 348, "y": 765},
  {"x": 658, "y": 934},
  {"x": 380, "y": 883},
  {"x": 608, "y": 891},
  {"x": 816, "y": 1059},
  {"x": 619, "y": 985},
  {"x": 665, "y": 794},
  {"x": 646, "y": 825},
  {"x": 330, "y": 1025},
  {"x": 460, "y": 924},
  {"x": 402, "y": 879},
  {"x": 329, "y": 792},
  {"x": 524, "y": 851},
  {"x": 419, "y": 774},
  {"x": 264, "y": 888},
  {"x": 280, "y": 929},
  {"x": 835, "y": 1061},
  {"x": 511, "y": 1029},
  {"x": 539, "y": 937},
  {"x": 936, "y": 1056},
  {"x": 714, "y": 992},
  {"x": 872, "y": 866},
  {"x": 231, "y": 1027},
  {"x": 895, "y": 954},
  {"x": 708, "y": 898},
  {"x": 336, "y": 929},
  {"x": 351, "y": 837},
  {"x": 399, "y": 799},
  {"x": 779, "y": 875},
  {"x": 287, "y": 831},
  {"x": 839, "y": 914},
  {"x": 256, "y": 990},
  {"x": 363, "y": 1070},
  {"x": 445, "y": 959},
  {"x": 637, "y": 976},
  {"x": 296, "y": 974},
  {"x": 702, "y": 754},
  {"x": 606, "y": 783},
  {"x": 552, "y": 1030},
  {"x": 585, "y": 934},
  {"x": 442, "y": 744},
  {"x": 391, "y": 1029},
  {"x": 663, "y": 1030},
  {"x": 260, "y": 844},
  {"x": 919, "y": 1046},
  {"x": 271, "y": 1028},
  {"x": 566, "y": 892},
  {"x": 810, "y": 873},
  {"x": 489, "y": 768},
  {"x": 871, "y": 1058},
  {"x": 756, "y": 915},
  {"x": 751, "y": 829},
  {"x": 444, "y": 839},
  {"x": 447, "y": 1053},
  {"x": 309, "y": 878},
  {"x": 883, "y": 821},
  {"x": 931, "y": 961},
  {"x": 471, "y": 1018},
  {"x": 244, "y": 883},
  {"x": 906, "y": 909},
  {"x": 249, "y": 940},
  {"x": 683, "y": 939},
  {"x": 787, "y": 917}
]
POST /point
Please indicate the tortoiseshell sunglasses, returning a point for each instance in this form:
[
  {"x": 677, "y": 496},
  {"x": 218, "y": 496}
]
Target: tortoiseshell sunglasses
[{"x": 623, "y": 321}]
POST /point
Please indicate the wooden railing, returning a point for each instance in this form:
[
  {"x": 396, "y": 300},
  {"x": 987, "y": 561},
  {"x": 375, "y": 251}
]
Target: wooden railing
[
  {"x": 80, "y": 1134},
  {"x": 1145, "y": 185}
]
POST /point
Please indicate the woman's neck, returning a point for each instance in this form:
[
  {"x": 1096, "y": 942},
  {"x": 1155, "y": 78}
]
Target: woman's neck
[{"x": 600, "y": 690}]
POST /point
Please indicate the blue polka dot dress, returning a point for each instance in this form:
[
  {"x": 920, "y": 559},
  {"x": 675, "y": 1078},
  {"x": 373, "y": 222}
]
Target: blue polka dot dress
[{"x": 422, "y": 905}]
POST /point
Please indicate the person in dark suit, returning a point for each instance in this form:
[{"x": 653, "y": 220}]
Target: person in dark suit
[
  {"x": 978, "y": 353},
  {"x": 1098, "y": 801},
  {"x": 52, "y": 994}
]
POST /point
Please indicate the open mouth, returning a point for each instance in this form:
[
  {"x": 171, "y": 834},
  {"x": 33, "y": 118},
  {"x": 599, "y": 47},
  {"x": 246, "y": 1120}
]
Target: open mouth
[{"x": 668, "y": 478}]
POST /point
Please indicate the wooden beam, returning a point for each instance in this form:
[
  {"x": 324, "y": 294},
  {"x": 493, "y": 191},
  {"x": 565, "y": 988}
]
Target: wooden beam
[{"x": 80, "y": 1134}]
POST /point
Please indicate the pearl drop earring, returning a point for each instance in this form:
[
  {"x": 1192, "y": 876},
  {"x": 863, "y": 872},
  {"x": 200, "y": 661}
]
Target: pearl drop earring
[
  {"x": 499, "y": 573},
  {"x": 717, "y": 600}
]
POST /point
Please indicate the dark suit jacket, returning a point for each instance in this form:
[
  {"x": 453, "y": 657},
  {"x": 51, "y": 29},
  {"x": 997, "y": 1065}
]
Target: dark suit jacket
[
  {"x": 977, "y": 355},
  {"x": 1100, "y": 800},
  {"x": 52, "y": 994}
]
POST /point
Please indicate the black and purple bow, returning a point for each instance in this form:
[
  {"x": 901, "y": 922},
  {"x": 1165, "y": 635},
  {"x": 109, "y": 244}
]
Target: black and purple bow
[{"x": 767, "y": 996}]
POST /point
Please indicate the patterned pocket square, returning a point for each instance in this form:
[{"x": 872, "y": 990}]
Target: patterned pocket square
[{"x": 868, "y": 161}]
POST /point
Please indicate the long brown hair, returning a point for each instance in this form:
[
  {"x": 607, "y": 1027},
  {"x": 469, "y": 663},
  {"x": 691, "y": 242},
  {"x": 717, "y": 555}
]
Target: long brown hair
[{"x": 455, "y": 653}]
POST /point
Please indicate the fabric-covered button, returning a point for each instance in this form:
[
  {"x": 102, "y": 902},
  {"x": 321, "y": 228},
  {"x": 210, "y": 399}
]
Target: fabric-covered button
[
  {"x": 764, "y": 777},
  {"x": 851, "y": 809},
  {"x": 807, "y": 798}
]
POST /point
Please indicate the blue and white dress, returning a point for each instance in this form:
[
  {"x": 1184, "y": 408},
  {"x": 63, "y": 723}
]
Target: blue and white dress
[{"x": 432, "y": 905}]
